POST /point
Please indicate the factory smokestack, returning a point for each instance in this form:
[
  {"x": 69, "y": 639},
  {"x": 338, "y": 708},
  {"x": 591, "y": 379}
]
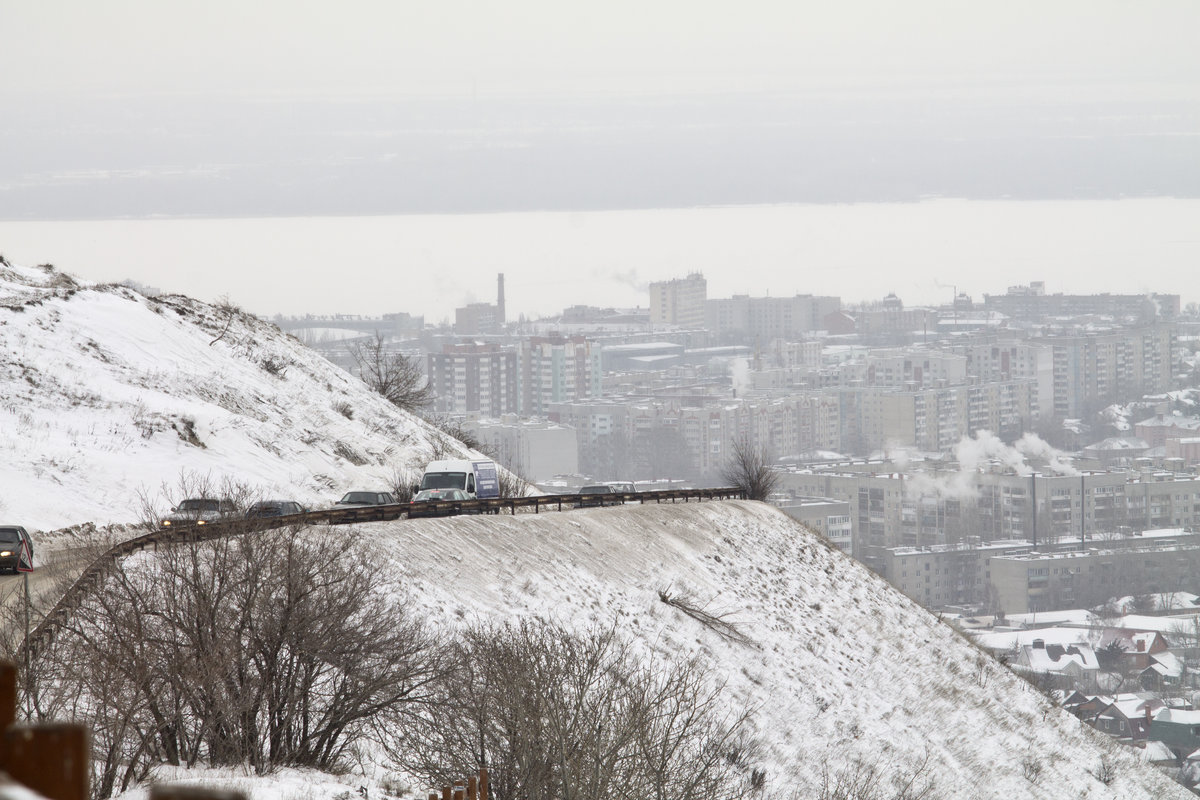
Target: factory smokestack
[{"x": 500, "y": 299}]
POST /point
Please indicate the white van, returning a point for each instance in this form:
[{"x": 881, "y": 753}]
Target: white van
[{"x": 480, "y": 479}]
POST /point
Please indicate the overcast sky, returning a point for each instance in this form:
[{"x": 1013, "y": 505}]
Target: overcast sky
[
  {"x": 299, "y": 47},
  {"x": 138, "y": 108},
  {"x": 152, "y": 109}
]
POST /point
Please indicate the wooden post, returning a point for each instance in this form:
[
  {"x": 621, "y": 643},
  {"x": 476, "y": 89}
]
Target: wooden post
[
  {"x": 472, "y": 788},
  {"x": 446, "y": 793},
  {"x": 483, "y": 784},
  {"x": 166, "y": 791},
  {"x": 8, "y": 694},
  {"x": 50, "y": 759}
]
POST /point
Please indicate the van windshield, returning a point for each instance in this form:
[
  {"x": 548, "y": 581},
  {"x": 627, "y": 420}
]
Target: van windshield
[{"x": 444, "y": 480}]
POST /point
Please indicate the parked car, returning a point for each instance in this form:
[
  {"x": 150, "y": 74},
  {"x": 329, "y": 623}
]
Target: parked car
[
  {"x": 200, "y": 511},
  {"x": 274, "y": 508},
  {"x": 358, "y": 499},
  {"x": 422, "y": 504},
  {"x": 12, "y": 539},
  {"x": 592, "y": 496}
]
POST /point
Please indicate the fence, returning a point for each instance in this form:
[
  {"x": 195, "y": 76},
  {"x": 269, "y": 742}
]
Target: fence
[
  {"x": 471, "y": 789},
  {"x": 53, "y": 759},
  {"x": 43, "y": 634}
]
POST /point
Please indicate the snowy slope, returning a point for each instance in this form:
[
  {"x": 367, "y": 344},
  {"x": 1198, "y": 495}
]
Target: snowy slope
[
  {"x": 842, "y": 666},
  {"x": 106, "y": 395}
]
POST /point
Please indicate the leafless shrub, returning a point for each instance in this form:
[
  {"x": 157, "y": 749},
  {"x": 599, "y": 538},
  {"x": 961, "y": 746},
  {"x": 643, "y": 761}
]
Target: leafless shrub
[
  {"x": 344, "y": 408},
  {"x": 863, "y": 781},
  {"x": 749, "y": 469},
  {"x": 1106, "y": 771},
  {"x": 258, "y": 649},
  {"x": 402, "y": 481},
  {"x": 715, "y": 622},
  {"x": 455, "y": 429},
  {"x": 228, "y": 311},
  {"x": 552, "y": 713},
  {"x": 343, "y": 450},
  {"x": 154, "y": 504},
  {"x": 1031, "y": 768},
  {"x": 392, "y": 374},
  {"x": 275, "y": 366},
  {"x": 186, "y": 428},
  {"x": 512, "y": 483}
]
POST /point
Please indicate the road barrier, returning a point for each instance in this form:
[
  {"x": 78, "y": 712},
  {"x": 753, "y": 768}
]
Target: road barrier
[{"x": 43, "y": 634}]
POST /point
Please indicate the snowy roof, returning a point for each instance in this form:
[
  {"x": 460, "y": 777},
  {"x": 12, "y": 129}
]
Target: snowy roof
[
  {"x": 1178, "y": 716},
  {"x": 1164, "y": 625},
  {"x": 1006, "y": 640},
  {"x": 1059, "y": 658},
  {"x": 1075, "y": 616},
  {"x": 1166, "y": 664},
  {"x": 1157, "y": 751}
]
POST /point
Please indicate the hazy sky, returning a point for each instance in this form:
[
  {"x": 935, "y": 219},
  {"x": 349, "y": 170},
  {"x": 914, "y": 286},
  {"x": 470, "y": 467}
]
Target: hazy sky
[
  {"x": 261, "y": 109},
  {"x": 299, "y": 47},
  {"x": 139, "y": 108}
]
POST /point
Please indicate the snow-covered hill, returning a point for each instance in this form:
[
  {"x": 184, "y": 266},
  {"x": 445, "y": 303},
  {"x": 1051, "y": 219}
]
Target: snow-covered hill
[
  {"x": 107, "y": 396},
  {"x": 838, "y": 668}
]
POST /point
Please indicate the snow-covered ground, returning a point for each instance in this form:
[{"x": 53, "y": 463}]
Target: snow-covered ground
[
  {"x": 838, "y": 667},
  {"x": 108, "y": 396}
]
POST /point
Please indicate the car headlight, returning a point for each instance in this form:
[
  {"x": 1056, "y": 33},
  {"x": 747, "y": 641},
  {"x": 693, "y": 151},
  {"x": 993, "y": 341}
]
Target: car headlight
[
  {"x": 199, "y": 522},
  {"x": 5, "y": 553},
  {"x": 166, "y": 523}
]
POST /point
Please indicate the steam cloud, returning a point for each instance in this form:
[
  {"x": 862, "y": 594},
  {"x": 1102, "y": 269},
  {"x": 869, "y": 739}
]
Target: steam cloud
[{"x": 985, "y": 448}]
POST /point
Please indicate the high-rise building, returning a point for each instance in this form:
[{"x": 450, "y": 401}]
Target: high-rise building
[
  {"x": 679, "y": 301},
  {"x": 474, "y": 378},
  {"x": 557, "y": 369}
]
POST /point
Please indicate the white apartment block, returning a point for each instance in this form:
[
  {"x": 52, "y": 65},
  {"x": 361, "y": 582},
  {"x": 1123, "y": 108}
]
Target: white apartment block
[
  {"x": 679, "y": 302},
  {"x": 556, "y": 369},
  {"x": 535, "y": 449}
]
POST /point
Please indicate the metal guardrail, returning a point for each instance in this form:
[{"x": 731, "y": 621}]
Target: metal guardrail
[{"x": 41, "y": 636}]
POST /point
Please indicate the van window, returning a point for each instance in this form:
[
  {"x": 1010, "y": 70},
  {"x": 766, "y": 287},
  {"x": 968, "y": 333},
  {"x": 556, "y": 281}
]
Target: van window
[
  {"x": 444, "y": 480},
  {"x": 471, "y": 484}
]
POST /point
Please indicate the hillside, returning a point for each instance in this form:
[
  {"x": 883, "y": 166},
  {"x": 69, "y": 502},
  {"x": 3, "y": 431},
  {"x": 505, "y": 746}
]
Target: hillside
[
  {"x": 109, "y": 397},
  {"x": 841, "y": 667}
]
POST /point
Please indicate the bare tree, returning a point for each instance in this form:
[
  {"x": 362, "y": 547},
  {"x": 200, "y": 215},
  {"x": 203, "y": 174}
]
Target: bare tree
[
  {"x": 265, "y": 649},
  {"x": 392, "y": 374},
  {"x": 554, "y": 714},
  {"x": 749, "y": 469}
]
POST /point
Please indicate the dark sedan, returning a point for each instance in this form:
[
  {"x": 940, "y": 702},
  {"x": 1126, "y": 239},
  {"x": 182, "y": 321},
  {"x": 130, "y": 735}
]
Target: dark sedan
[
  {"x": 440, "y": 503},
  {"x": 274, "y": 508},
  {"x": 358, "y": 499},
  {"x": 13, "y": 540}
]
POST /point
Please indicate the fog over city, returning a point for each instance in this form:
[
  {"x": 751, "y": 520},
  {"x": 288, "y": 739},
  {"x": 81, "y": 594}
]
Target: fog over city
[
  {"x": 142, "y": 110},
  {"x": 624, "y": 397}
]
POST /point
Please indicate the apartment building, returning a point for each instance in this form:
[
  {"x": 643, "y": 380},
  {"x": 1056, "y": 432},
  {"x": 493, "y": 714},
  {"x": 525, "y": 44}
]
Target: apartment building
[
  {"x": 828, "y": 517},
  {"x": 535, "y": 449},
  {"x": 1097, "y": 369},
  {"x": 1154, "y": 563},
  {"x": 679, "y": 302},
  {"x": 474, "y": 378},
  {"x": 947, "y": 575},
  {"x": 1013, "y": 577},
  {"x": 556, "y": 369},
  {"x": 764, "y": 319},
  {"x": 1031, "y": 303}
]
